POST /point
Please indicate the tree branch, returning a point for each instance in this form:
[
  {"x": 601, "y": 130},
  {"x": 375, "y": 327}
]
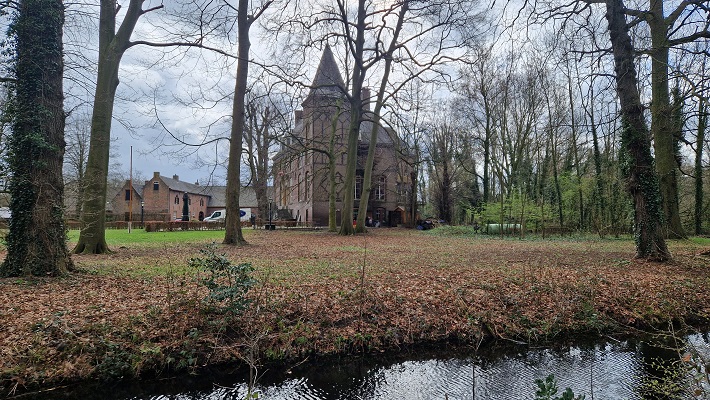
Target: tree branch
[
  {"x": 180, "y": 44},
  {"x": 146, "y": 11},
  {"x": 675, "y": 14},
  {"x": 705, "y": 34}
]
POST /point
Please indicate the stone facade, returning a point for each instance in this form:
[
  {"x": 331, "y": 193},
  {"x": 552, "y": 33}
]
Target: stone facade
[{"x": 301, "y": 168}]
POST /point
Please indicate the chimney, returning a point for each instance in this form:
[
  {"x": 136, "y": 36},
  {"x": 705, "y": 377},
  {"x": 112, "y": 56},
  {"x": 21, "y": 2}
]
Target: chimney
[
  {"x": 156, "y": 175},
  {"x": 177, "y": 178},
  {"x": 365, "y": 99}
]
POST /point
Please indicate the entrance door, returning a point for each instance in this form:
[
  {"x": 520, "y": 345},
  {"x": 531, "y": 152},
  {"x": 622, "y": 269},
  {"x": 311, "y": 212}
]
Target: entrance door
[{"x": 395, "y": 218}]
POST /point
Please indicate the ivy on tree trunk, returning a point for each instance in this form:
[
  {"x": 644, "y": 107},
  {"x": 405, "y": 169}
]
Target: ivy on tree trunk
[
  {"x": 637, "y": 162},
  {"x": 36, "y": 242}
]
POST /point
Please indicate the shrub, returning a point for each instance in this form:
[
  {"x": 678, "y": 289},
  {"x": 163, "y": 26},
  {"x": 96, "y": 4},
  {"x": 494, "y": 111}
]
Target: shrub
[
  {"x": 548, "y": 388},
  {"x": 227, "y": 283}
]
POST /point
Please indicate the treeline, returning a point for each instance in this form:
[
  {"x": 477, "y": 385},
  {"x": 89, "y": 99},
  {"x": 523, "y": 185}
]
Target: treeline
[{"x": 533, "y": 135}]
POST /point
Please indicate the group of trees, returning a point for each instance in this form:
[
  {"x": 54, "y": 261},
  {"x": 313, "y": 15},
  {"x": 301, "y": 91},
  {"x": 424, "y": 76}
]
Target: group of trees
[
  {"x": 543, "y": 127},
  {"x": 532, "y": 134}
]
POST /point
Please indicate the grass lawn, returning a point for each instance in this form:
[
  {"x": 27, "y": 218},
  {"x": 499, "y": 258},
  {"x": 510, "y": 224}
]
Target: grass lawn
[
  {"x": 140, "y": 309},
  {"x": 139, "y": 237}
]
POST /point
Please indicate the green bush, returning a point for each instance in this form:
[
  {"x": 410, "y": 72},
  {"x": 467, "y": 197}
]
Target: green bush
[
  {"x": 548, "y": 388},
  {"x": 227, "y": 283}
]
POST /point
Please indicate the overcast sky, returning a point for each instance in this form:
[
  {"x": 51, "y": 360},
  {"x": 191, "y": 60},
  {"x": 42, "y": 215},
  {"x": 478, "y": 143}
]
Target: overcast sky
[{"x": 152, "y": 101}]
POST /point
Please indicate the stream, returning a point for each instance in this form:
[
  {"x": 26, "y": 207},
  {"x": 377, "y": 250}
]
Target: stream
[{"x": 599, "y": 370}]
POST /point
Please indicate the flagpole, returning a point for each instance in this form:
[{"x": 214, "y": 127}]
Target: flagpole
[{"x": 130, "y": 193}]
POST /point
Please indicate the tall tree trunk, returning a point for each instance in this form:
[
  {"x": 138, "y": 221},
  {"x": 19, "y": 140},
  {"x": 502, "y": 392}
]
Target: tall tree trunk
[
  {"x": 556, "y": 178},
  {"x": 445, "y": 187},
  {"x": 233, "y": 231},
  {"x": 599, "y": 202},
  {"x": 258, "y": 141},
  {"x": 413, "y": 177},
  {"x": 486, "y": 181},
  {"x": 370, "y": 161},
  {"x": 661, "y": 122},
  {"x": 642, "y": 182},
  {"x": 332, "y": 212},
  {"x": 36, "y": 242},
  {"x": 700, "y": 142},
  {"x": 346, "y": 227},
  {"x": 575, "y": 151},
  {"x": 112, "y": 45},
  {"x": 80, "y": 187}
]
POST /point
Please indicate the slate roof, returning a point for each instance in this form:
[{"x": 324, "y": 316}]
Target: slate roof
[
  {"x": 217, "y": 194},
  {"x": 328, "y": 81},
  {"x": 180, "y": 186},
  {"x": 138, "y": 190},
  {"x": 384, "y": 134}
]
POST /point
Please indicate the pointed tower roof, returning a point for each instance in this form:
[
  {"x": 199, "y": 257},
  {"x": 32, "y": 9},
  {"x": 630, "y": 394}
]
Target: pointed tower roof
[{"x": 327, "y": 80}]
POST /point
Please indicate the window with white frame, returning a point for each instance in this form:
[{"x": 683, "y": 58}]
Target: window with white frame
[
  {"x": 358, "y": 187},
  {"x": 381, "y": 188}
]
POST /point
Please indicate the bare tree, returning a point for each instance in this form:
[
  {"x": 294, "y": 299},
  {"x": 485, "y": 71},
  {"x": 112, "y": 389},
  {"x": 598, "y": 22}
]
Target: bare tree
[
  {"x": 418, "y": 39},
  {"x": 478, "y": 100},
  {"x": 113, "y": 43},
  {"x": 700, "y": 140},
  {"x": 77, "y": 135},
  {"x": 266, "y": 121},
  {"x": 684, "y": 24},
  {"x": 233, "y": 232},
  {"x": 411, "y": 130},
  {"x": 444, "y": 142}
]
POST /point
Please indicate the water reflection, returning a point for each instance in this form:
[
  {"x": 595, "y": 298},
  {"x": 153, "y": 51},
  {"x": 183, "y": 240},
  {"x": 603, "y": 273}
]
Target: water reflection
[{"x": 610, "y": 370}]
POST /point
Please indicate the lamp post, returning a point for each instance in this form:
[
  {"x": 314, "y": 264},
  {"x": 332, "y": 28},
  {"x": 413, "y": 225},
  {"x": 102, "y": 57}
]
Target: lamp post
[
  {"x": 142, "y": 205},
  {"x": 271, "y": 226}
]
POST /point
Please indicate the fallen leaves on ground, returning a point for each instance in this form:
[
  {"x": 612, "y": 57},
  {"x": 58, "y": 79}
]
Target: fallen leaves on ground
[{"x": 320, "y": 293}]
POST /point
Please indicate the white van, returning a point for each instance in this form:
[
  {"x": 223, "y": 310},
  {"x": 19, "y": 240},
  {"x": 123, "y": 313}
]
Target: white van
[{"x": 219, "y": 215}]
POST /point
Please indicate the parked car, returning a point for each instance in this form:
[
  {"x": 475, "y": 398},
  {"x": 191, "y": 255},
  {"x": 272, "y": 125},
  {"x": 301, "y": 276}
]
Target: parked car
[{"x": 217, "y": 216}]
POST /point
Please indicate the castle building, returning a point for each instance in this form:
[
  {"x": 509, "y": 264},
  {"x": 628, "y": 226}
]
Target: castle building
[{"x": 302, "y": 179}]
